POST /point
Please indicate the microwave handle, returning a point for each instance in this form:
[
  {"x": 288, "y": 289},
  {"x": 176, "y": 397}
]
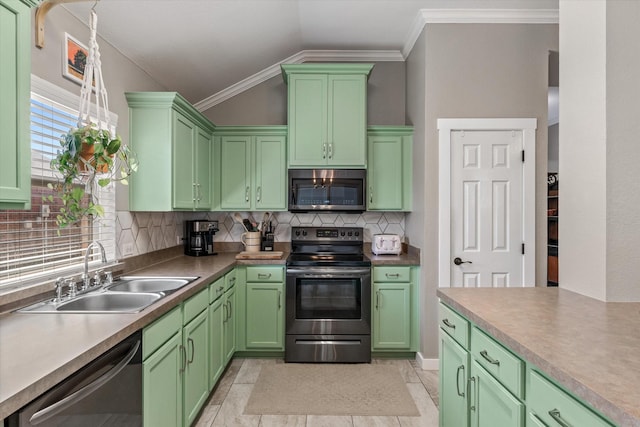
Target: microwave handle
[{"x": 52, "y": 410}]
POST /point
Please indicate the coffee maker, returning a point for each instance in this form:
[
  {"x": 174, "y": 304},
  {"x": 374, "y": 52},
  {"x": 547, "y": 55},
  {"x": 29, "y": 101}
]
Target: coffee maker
[{"x": 198, "y": 237}]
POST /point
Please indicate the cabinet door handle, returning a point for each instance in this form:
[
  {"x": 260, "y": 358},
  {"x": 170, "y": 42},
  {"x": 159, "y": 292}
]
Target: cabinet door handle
[
  {"x": 230, "y": 309},
  {"x": 392, "y": 275},
  {"x": 195, "y": 192},
  {"x": 489, "y": 359},
  {"x": 183, "y": 352},
  {"x": 199, "y": 192},
  {"x": 555, "y": 414},
  {"x": 258, "y": 194},
  {"x": 460, "y": 369},
  {"x": 193, "y": 350},
  {"x": 472, "y": 388},
  {"x": 279, "y": 300},
  {"x": 331, "y": 150},
  {"x": 377, "y": 300},
  {"x": 264, "y": 276},
  {"x": 448, "y": 324},
  {"x": 324, "y": 150},
  {"x": 246, "y": 194},
  {"x": 370, "y": 194},
  {"x": 224, "y": 313}
]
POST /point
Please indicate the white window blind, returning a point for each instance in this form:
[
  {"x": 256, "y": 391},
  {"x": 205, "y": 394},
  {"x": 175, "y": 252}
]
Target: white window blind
[{"x": 31, "y": 249}]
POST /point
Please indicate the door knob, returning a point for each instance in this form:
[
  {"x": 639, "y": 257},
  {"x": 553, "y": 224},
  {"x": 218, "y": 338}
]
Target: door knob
[{"x": 458, "y": 261}]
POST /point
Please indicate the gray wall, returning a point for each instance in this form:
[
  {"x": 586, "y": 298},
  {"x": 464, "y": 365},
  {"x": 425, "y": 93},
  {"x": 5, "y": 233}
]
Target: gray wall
[
  {"x": 266, "y": 103},
  {"x": 475, "y": 71},
  {"x": 119, "y": 73}
]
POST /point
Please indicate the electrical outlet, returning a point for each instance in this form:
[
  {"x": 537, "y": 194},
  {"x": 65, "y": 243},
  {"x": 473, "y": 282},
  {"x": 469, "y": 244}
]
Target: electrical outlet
[
  {"x": 127, "y": 249},
  {"x": 45, "y": 211},
  {"x": 178, "y": 240}
]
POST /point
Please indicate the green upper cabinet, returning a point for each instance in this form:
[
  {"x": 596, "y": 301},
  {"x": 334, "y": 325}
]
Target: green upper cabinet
[
  {"x": 173, "y": 142},
  {"x": 251, "y": 163},
  {"x": 389, "y": 163},
  {"x": 15, "y": 74},
  {"x": 327, "y": 114}
]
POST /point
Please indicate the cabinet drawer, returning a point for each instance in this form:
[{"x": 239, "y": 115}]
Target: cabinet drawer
[
  {"x": 159, "y": 332},
  {"x": 194, "y": 306},
  {"x": 454, "y": 325},
  {"x": 392, "y": 274},
  {"x": 554, "y": 406},
  {"x": 500, "y": 362},
  {"x": 265, "y": 274},
  {"x": 216, "y": 289},
  {"x": 229, "y": 280}
]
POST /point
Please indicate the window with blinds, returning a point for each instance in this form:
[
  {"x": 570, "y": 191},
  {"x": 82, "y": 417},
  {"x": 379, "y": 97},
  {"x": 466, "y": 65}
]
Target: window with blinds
[{"x": 31, "y": 248}]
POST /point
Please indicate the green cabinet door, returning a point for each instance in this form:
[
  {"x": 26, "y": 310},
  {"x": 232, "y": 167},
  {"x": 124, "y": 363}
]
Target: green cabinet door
[
  {"x": 162, "y": 385},
  {"x": 15, "y": 73},
  {"x": 216, "y": 344},
  {"x": 490, "y": 403},
  {"x": 235, "y": 172},
  {"x": 265, "y": 316},
  {"x": 229, "y": 329},
  {"x": 347, "y": 120},
  {"x": 391, "y": 316},
  {"x": 389, "y": 168},
  {"x": 183, "y": 153},
  {"x": 203, "y": 166},
  {"x": 454, "y": 372},
  {"x": 195, "y": 337},
  {"x": 307, "y": 120},
  {"x": 327, "y": 114},
  {"x": 271, "y": 173}
]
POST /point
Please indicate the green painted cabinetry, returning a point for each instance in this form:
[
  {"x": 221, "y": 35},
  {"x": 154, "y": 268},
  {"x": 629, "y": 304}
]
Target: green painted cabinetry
[
  {"x": 484, "y": 384},
  {"x": 195, "y": 340},
  {"x": 394, "y": 310},
  {"x": 251, "y": 168},
  {"x": 264, "y": 319},
  {"x": 228, "y": 319},
  {"x": 173, "y": 142},
  {"x": 389, "y": 166},
  {"x": 15, "y": 74},
  {"x": 327, "y": 114},
  {"x": 216, "y": 331}
]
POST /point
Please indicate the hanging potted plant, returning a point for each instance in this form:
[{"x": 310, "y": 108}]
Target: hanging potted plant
[{"x": 91, "y": 155}]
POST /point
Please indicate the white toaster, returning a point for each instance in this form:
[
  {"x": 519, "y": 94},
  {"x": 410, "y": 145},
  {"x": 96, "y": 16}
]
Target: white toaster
[{"x": 386, "y": 244}]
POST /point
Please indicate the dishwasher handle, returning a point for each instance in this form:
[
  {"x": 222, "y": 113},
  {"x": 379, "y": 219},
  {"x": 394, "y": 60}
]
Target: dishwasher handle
[{"x": 52, "y": 410}]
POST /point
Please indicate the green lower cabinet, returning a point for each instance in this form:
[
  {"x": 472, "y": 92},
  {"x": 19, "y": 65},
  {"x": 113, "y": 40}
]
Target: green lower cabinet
[
  {"x": 216, "y": 343},
  {"x": 491, "y": 404},
  {"x": 265, "y": 316},
  {"x": 229, "y": 324},
  {"x": 553, "y": 406},
  {"x": 391, "y": 316},
  {"x": 196, "y": 379},
  {"x": 454, "y": 374},
  {"x": 162, "y": 385}
]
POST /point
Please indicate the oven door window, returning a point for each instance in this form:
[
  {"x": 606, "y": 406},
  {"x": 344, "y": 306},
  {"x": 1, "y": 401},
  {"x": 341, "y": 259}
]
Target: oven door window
[
  {"x": 328, "y": 299},
  {"x": 320, "y": 192}
]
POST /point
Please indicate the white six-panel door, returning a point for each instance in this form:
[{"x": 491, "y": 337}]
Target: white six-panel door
[{"x": 487, "y": 214}]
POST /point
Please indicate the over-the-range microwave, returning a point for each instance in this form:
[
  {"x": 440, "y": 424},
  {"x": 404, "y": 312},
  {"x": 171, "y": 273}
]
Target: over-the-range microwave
[{"x": 342, "y": 190}]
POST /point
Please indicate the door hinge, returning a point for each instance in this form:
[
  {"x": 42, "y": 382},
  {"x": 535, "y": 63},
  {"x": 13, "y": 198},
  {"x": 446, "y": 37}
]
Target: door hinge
[
  {"x": 522, "y": 156},
  {"x": 523, "y": 249}
]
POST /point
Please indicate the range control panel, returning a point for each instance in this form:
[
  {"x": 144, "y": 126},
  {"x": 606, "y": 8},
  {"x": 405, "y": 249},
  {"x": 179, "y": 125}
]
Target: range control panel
[{"x": 327, "y": 234}]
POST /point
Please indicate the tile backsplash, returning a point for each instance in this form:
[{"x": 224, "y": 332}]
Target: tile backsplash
[{"x": 138, "y": 233}]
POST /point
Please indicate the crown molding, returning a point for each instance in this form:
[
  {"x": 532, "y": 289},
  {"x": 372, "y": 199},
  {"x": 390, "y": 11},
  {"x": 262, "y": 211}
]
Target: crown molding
[
  {"x": 477, "y": 16},
  {"x": 424, "y": 17},
  {"x": 298, "y": 58}
]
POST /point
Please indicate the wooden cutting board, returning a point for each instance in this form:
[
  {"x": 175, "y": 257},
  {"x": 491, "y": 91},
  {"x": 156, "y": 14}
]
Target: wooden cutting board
[{"x": 260, "y": 255}]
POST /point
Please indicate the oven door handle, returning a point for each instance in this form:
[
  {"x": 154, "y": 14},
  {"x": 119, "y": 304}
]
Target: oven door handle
[
  {"x": 52, "y": 410},
  {"x": 327, "y": 272}
]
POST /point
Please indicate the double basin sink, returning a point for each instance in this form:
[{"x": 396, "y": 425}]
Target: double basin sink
[{"x": 129, "y": 294}]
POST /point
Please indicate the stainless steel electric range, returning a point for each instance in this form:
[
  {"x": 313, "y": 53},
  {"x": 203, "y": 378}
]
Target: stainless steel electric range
[{"x": 328, "y": 296}]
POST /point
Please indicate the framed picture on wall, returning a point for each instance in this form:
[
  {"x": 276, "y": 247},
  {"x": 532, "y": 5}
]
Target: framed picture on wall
[{"x": 75, "y": 59}]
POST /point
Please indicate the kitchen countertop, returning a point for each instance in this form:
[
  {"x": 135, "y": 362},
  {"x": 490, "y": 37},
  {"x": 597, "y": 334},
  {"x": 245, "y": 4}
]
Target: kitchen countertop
[
  {"x": 589, "y": 346},
  {"x": 39, "y": 350}
]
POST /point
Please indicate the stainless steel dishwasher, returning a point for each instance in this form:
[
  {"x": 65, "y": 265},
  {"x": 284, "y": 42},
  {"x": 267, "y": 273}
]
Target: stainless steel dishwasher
[{"x": 105, "y": 392}]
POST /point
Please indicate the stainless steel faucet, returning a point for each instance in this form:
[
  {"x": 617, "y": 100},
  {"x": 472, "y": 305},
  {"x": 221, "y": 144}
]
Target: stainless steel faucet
[{"x": 86, "y": 280}]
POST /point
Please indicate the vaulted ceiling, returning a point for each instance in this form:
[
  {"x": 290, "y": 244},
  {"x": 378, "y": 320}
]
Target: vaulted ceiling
[{"x": 201, "y": 47}]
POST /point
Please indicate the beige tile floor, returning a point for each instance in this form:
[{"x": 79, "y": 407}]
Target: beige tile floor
[{"x": 226, "y": 405}]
